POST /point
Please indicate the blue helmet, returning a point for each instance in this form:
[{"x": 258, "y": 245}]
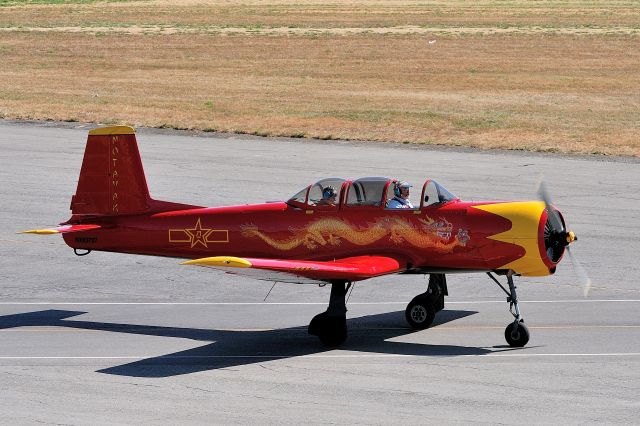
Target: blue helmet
[{"x": 328, "y": 192}]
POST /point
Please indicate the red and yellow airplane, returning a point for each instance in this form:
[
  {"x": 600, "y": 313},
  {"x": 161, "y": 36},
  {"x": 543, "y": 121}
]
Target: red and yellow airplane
[{"x": 334, "y": 231}]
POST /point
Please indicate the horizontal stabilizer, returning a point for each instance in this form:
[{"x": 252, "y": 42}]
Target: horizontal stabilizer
[
  {"x": 302, "y": 271},
  {"x": 64, "y": 229}
]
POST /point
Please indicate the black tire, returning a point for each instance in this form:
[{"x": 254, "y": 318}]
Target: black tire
[
  {"x": 519, "y": 338},
  {"x": 333, "y": 337},
  {"x": 420, "y": 312},
  {"x": 332, "y": 331},
  {"x": 316, "y": 324}
]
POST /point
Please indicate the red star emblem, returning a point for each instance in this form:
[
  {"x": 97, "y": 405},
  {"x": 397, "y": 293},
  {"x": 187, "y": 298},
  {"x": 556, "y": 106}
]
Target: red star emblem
[{"x": 198, "y": 235}]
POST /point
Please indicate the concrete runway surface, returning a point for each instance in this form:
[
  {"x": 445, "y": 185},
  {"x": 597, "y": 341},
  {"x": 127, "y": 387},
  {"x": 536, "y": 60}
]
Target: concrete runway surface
[{"x": 121, "y": 339}]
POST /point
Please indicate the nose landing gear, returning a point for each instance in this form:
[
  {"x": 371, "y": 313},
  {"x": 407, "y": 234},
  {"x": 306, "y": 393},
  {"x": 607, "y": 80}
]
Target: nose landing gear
[{"x": 516, "y": 333}]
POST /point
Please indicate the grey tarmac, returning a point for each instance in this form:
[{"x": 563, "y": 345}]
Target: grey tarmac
[{"x": 120, "y": 339}]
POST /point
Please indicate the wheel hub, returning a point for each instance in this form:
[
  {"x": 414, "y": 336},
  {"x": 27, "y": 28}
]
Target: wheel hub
[{"x": 419, "y": 313}]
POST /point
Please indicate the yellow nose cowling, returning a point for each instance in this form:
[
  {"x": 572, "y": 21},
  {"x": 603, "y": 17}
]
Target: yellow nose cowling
[{"x": 525, "y": 219}]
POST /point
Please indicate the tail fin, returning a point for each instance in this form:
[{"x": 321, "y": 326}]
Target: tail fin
[{"x": 111, "y": 180}]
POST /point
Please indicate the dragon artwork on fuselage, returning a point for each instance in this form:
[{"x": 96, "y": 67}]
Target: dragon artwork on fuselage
[{"x": 428, "y": 233}]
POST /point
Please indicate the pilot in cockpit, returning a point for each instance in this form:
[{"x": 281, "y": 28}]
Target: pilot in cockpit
[
  {"x": 401, "y": 196},
  {"x": 329, "y": 195}
]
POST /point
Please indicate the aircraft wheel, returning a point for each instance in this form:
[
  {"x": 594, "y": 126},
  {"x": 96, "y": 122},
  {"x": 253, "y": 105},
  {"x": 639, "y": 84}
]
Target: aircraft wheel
[
  {"x": 332, "y": 331},
  {"x": 334, "y": 337},
  {"x": 517, "y": 338},
  {"x": 420, "y": 312}
]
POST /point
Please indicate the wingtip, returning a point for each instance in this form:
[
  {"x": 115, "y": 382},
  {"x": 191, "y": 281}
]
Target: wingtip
[{"x": 220, "y": 262}]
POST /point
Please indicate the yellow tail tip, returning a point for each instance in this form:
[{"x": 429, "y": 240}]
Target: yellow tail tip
[
  {"x": 113, "y": 130},
  {"x": 39, "y": 231}
]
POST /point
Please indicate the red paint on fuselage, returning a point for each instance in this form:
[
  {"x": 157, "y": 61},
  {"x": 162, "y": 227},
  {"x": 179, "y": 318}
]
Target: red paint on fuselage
[{"x": 447, "y": 236}]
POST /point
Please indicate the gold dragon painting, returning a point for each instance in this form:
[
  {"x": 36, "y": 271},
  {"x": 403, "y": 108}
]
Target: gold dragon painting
[{"x": 331, "y": 231}]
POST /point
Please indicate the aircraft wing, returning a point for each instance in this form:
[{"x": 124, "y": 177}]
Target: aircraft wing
[
  {"x": 302, "y": 271},
  {"x": 63, "y": 229}
]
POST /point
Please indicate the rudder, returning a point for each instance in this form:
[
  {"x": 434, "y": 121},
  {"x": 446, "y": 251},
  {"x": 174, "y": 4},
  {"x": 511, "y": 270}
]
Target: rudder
[{"x": 112, "y": 180}]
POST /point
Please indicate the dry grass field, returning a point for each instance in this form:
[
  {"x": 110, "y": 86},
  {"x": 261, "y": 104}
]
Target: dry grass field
[{"x": 550, "y": 76}]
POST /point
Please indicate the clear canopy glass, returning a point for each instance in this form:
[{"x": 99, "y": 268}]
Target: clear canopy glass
[
  {"x": 435, "y": 194},
  {"x": 367, "y": 191},
  {"x": 323, "y": 192}
]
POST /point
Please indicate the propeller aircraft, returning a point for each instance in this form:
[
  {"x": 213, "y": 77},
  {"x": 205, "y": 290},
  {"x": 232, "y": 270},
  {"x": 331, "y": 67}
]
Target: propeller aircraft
[{"x": 334, "y": 232}]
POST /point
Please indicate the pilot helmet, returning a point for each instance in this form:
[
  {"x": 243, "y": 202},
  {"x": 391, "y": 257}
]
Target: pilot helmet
[
  {"x": 400, "y": 184},
  {"x": 328, "y": 192}
]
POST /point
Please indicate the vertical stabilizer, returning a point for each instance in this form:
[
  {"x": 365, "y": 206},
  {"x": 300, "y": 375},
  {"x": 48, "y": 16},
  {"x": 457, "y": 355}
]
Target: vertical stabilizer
[{"x": 111, "y": 180}]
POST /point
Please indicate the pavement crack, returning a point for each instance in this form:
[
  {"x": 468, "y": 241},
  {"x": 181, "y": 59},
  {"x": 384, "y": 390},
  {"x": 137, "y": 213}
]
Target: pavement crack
[
  {"x": 267, "y": 368},
  {"x": 140, "y": 385},
  {"x": 202, "y": 389}
]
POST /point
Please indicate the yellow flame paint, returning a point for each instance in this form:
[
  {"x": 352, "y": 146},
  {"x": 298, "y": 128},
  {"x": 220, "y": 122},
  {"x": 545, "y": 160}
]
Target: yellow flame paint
[{"x": 525, "y": 219}]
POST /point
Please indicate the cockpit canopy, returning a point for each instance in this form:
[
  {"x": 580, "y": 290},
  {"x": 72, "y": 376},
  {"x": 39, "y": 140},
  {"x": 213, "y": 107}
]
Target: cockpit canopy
[
  {"x": 433, "y": 193},
  {"x": 366, "y": 192},
  {"x": 319, "y": 193}
]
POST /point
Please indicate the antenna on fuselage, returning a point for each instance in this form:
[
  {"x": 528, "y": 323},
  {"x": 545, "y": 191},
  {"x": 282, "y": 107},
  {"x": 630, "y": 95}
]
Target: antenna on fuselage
[{"x": 274, "y": 284}]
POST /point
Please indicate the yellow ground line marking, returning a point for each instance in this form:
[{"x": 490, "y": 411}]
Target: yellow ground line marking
[{"x": 580, "y": 286}]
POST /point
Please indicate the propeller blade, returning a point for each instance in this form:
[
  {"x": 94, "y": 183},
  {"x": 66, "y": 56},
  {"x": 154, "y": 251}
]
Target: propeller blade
[
  {"x": 544, "y": 195},
  {"x": 580, "y": 272}
]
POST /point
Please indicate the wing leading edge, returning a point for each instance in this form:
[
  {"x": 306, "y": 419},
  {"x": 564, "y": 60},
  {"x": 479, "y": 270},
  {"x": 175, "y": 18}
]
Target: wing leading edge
[{"x": 302, "y": 271}]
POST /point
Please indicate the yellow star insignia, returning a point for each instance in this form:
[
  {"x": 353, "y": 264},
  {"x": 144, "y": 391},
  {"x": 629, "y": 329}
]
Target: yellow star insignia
[{"x": 198, "y": 234}]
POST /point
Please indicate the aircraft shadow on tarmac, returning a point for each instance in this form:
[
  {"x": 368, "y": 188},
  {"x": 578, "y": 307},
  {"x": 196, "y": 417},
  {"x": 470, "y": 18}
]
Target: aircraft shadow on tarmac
[{"x": 232, "y": 348}]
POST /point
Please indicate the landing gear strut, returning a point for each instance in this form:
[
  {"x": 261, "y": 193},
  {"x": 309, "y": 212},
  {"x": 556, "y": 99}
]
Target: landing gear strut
[
  {"x": 421, "y": 311},
  {"x": 331, "y": 326},
  {"x": 516, "y": 333}
]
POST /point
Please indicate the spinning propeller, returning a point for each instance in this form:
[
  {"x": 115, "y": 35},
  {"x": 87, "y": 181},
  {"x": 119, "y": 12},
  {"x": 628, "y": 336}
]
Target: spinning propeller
[{"x": 557, "y": 239}]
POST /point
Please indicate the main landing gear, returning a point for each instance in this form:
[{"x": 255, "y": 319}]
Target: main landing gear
[
  {"x": 421, "y": 311},
  {"x": 331, "y": 325},
  {"x": 516, "y": 333}
]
